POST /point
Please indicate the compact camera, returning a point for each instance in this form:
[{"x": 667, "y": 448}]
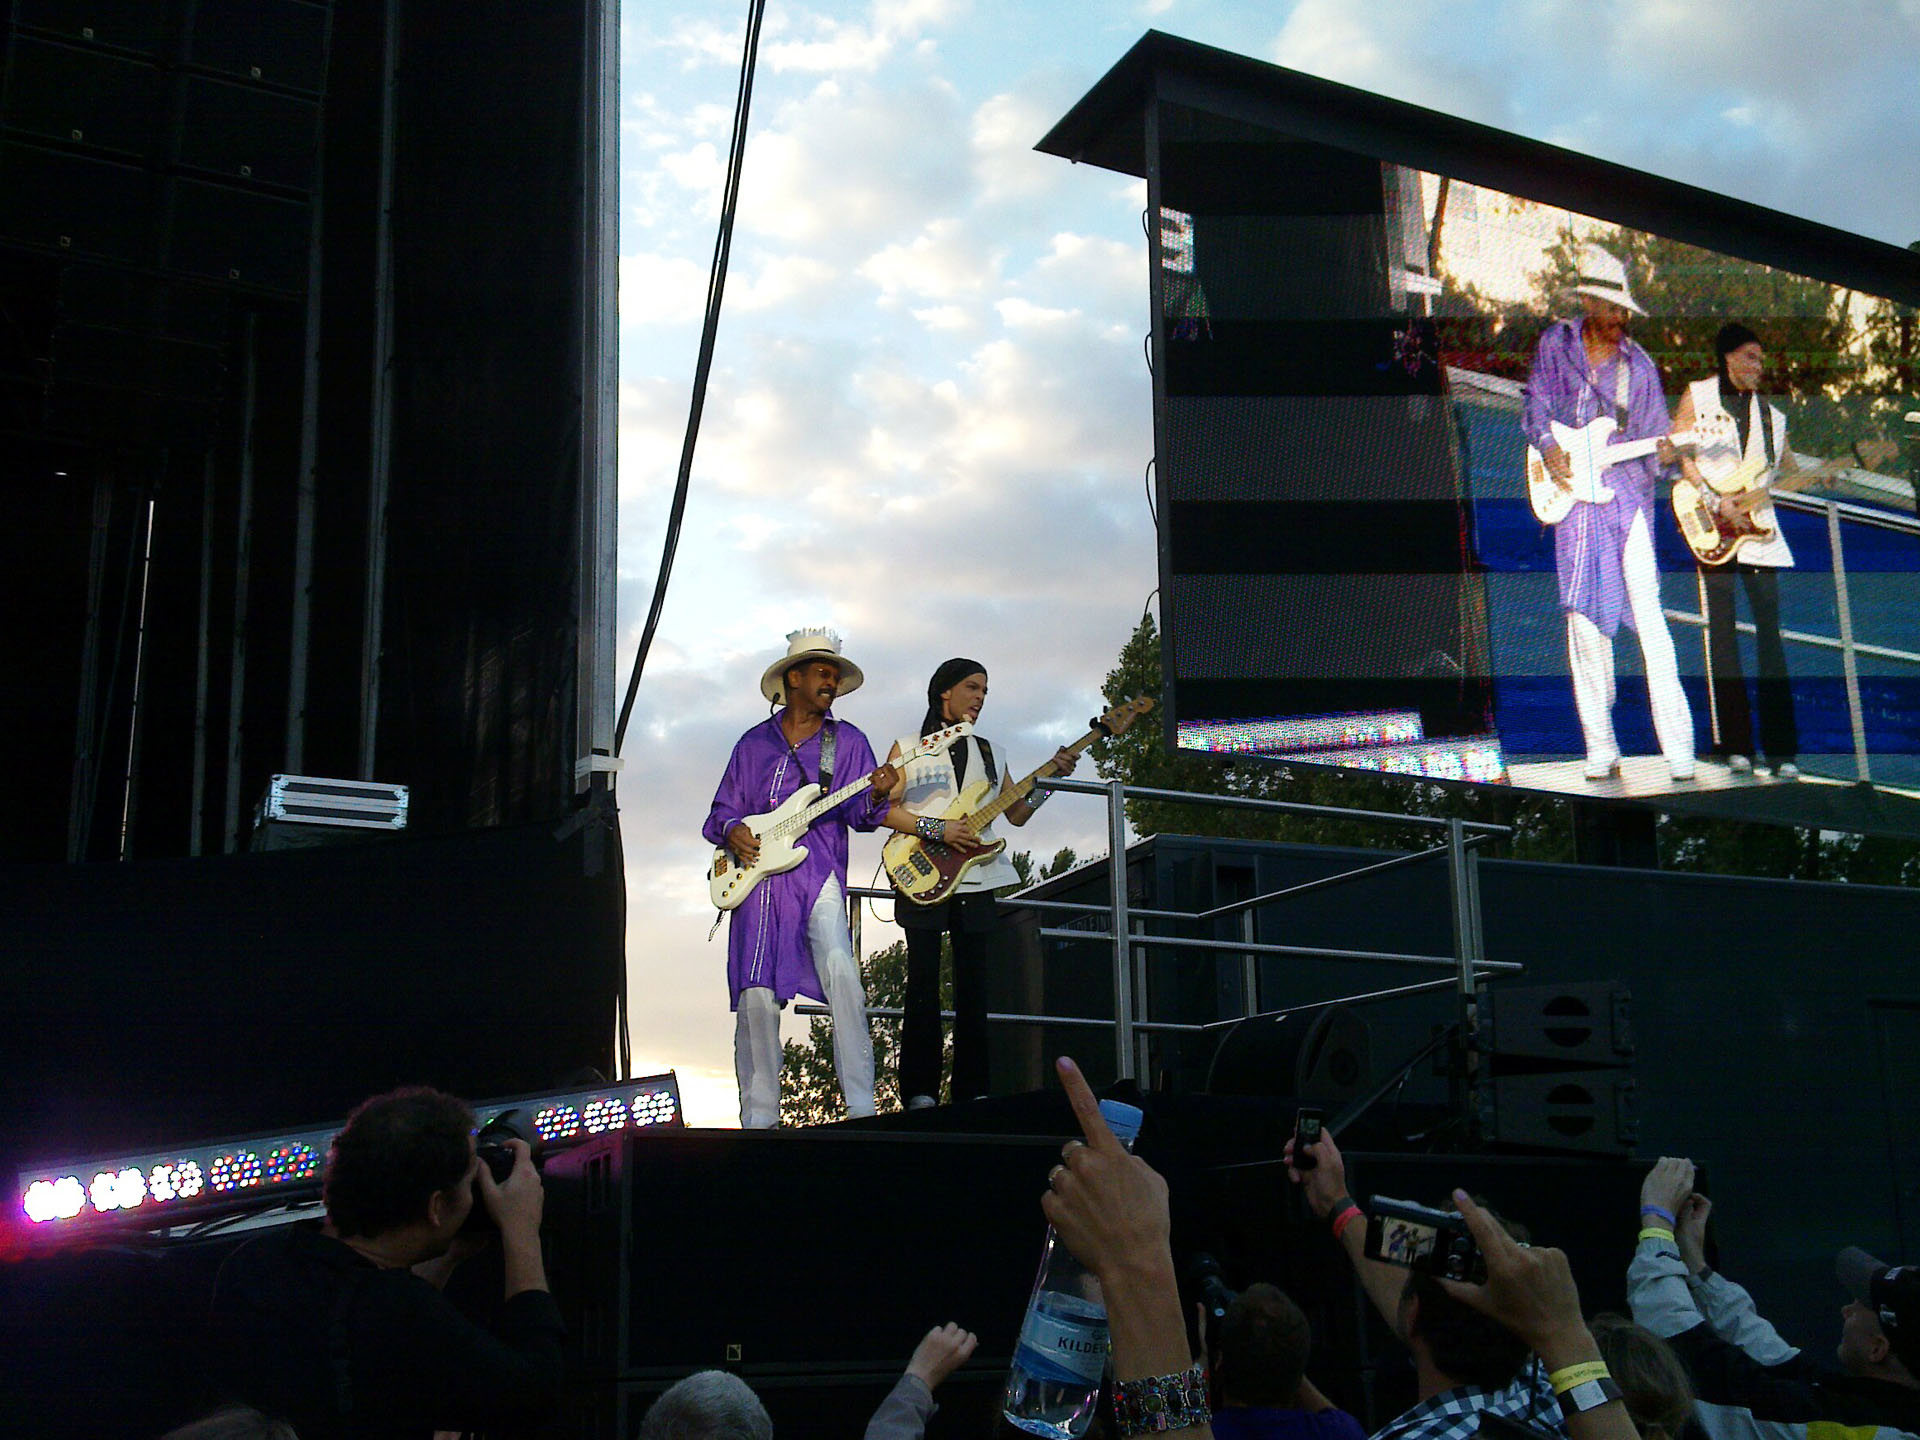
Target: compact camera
[{"x": 1434, "y": 1242}]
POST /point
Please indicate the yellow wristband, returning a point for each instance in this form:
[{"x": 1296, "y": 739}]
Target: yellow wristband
[
  {"x": 1655, "y": 1232},
  {"x": 1564, "y": 1380}
]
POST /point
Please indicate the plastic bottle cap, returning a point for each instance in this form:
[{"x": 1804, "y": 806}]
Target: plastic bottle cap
[{"x": 1123, "y": 1119}]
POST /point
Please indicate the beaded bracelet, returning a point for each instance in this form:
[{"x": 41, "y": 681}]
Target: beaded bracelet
[
  {"x": 1160, "y": 1403},
  {"x": 930, "y": 827}
]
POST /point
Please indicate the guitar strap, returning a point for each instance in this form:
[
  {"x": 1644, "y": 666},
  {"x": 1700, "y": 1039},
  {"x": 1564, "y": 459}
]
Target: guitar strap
[{"x": 827, "y": 733}]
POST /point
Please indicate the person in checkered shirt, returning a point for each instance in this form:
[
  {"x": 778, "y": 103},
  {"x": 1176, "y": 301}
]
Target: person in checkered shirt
[{"x": 1467, "y": 1364}]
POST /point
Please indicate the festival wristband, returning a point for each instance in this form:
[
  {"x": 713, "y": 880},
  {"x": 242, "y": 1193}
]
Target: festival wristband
[
  {"x": 1661, "y": 1211},
  {"x": 1565, "y": 1378},
  {"x": 1589, "y": 1395},
  {"x": 1346, "y": 1217},
  {"x": 1655, "y": 1232}
]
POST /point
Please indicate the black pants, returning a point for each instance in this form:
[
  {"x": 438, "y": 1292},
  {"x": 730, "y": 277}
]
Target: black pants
[
  {"x": 1779, "y": 737},
  {"x": 973, "y": 922}
]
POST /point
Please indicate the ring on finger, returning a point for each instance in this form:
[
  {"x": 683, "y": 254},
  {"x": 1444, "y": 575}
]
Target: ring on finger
[
  {"x": 1066, "y": 1150},
  {"x": 1054, "y": 1174}
]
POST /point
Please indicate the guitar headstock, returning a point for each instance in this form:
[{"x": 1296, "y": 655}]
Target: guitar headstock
[
  {"x": 939, "y": 740},
  {"x": 1116, "y": 720}
]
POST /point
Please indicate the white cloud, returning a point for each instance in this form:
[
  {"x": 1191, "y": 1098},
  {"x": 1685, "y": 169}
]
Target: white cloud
[
  {"x": 661, "y": 289},
  {"x": 939, "y": 263}
]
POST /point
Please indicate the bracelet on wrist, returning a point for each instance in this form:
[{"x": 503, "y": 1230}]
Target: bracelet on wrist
[
  {"x": 1346, "y": 1216},
  {"x": 1659, "y": 1211},
  {"x": 930, "y": 827},
  {"x": 1588, "y": 1395},
  {"x": 1159, "y": 1403},
  {"x": 1656, "y": 1232},
  {"x": 1568, "y": 1376}
]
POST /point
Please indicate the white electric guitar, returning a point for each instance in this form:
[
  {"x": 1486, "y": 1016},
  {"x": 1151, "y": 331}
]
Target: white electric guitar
[
  {"x": 779, "y": 830},
  {"x": 1589, "y": 449}
]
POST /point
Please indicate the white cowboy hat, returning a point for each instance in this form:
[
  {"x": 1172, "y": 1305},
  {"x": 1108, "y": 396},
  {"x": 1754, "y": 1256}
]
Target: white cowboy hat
[
  {"x": 803, "y": 647},
  {"x": 1605, "y": 278}
]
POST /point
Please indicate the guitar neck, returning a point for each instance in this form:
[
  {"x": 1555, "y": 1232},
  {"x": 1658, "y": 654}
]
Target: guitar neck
[
  {"x": 1014, "y": 794},
  {"x": 1799, "y": 480},
  {"x": 801, "y": 819}
]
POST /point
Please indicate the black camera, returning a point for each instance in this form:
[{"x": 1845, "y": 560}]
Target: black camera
[
  {"x": 1434, "y": 1242},
  {"x": 490, "y": 1144}
]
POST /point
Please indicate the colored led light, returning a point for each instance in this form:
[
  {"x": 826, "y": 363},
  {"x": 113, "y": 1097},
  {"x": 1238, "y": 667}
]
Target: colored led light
[{"x": 60, "y": 1199}]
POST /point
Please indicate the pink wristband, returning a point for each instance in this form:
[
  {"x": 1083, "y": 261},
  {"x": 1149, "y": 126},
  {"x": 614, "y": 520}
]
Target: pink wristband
[{"x": 1345, "y": 1218}]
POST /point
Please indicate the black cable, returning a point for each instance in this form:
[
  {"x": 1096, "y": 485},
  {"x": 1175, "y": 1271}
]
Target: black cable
[{"x": 716, "y": 285}]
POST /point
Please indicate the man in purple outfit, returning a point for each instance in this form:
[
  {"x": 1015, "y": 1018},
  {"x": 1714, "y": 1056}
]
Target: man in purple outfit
[
  {"x": 1585, "y": 369},
  {"x": 789, "y": 937}
]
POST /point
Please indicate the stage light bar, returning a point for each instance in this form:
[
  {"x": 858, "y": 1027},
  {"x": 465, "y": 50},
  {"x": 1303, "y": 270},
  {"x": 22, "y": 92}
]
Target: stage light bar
[
  {"x": 1467, "y": 757},
  {"x": 150, "y": 1189},
  {"x": 1314, "y": 732}
]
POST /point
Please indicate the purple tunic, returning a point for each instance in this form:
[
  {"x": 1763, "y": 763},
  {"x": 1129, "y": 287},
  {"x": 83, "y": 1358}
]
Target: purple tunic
[
  {"x": 767, "y": 940},
  {"x": 1589, "y": 543}
]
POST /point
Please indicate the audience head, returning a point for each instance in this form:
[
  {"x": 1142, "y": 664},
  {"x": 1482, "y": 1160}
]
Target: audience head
[
  {"x": 1880, "y": 1326},
  {"x": 1261, "y": 1350},
  {"x": 1467, "y": 1347},
  {"x": 711, "y": 1405},
  {"x": 399, "y": 1152},
  {"x": 235, "y": 1422},
  {"x": 1652, "y": 1381}
]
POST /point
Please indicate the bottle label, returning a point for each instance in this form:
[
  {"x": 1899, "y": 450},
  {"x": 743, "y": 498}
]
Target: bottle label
[{"x": 1064, "y": 1348}]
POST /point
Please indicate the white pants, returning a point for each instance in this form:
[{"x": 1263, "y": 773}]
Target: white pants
[
  {"x": 1590, "y": 656},
  {"x": 756, "y": 1026}
]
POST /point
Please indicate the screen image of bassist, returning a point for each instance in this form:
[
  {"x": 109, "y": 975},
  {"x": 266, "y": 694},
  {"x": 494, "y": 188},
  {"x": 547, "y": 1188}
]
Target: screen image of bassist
[{"x": 1723, "y": 501}]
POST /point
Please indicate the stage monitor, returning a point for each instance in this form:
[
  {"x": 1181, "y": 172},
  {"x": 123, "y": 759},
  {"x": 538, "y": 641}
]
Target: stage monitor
[{"x": 1454, "y": 483}]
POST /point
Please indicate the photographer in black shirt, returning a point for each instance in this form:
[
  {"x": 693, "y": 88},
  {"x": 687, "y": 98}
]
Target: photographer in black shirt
[{"x": 342, "y": 1329}]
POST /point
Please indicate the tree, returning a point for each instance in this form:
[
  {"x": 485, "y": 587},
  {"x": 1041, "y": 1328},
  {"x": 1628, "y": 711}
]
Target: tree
[
  {"x": 1141, "y": 757},
  {"x": 1541, "y": 823},
  {"x": 809, "y": 1086}
]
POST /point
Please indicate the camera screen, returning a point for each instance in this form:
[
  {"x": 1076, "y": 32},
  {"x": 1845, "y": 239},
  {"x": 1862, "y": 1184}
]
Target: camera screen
[{"x": 1406, "y": 1242}]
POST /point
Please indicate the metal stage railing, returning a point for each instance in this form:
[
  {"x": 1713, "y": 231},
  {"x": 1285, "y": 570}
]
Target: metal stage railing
[{"x": 1130, "y": 941}]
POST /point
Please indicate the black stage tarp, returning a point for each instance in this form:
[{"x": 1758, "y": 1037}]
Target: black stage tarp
[{"x": 167, "y": 1001}]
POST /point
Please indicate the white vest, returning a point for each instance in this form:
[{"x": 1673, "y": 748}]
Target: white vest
[
  {"x": 1719, "y": 460},
  {"x": 931, "y": 788}
]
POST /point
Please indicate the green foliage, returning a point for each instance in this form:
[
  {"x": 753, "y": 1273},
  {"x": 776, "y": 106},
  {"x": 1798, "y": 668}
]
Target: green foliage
[
  {"x": 1541, "y": 824},
  {"x": 1839, "y": 373},
  {"x": 1141, "y": 757}
]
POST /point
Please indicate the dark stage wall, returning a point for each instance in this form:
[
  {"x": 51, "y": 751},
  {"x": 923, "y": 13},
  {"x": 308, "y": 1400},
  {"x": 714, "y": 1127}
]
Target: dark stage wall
[
  {"x": 169, "y": 1000},
  {"x": 304, "y": 429},
  {"x": 1778, "y": 1023}
]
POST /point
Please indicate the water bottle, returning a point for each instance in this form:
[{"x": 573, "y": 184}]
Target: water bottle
[{"x": 1061, "y": 1358}]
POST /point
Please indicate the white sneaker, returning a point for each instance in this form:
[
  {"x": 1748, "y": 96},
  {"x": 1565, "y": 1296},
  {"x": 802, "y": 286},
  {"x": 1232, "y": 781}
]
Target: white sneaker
[
  {"x": 1740, "y": 764},
  {"x": 921, "y": 1102},
  {"x": 1598, "y": 769},
  {"x": 1786, "y": 770},
  {"x": 1681, "y": 773}
]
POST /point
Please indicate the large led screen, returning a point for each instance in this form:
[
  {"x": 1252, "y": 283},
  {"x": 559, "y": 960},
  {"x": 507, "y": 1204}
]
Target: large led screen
[{"x": 1462, "y": 485}]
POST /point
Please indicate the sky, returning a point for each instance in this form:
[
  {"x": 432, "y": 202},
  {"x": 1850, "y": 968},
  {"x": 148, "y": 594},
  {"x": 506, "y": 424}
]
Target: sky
[{"x": 928, "y": 422}]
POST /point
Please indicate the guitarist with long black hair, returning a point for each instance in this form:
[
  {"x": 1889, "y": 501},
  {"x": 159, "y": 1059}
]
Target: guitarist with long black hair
[
  {"x": 971, "y": 915},
  {"x": 1734, "y": 390}
]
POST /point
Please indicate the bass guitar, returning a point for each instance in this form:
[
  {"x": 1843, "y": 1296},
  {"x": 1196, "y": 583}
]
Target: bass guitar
[
  {"x": 780, "y": 829},
  {"x": 926, "y": 871},
  {"x": 1590, "y": 450},
  {"x": 1716, "y": 537}
]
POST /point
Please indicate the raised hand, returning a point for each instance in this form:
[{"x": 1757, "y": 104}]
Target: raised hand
[{"x": 943, "y": 1350}]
